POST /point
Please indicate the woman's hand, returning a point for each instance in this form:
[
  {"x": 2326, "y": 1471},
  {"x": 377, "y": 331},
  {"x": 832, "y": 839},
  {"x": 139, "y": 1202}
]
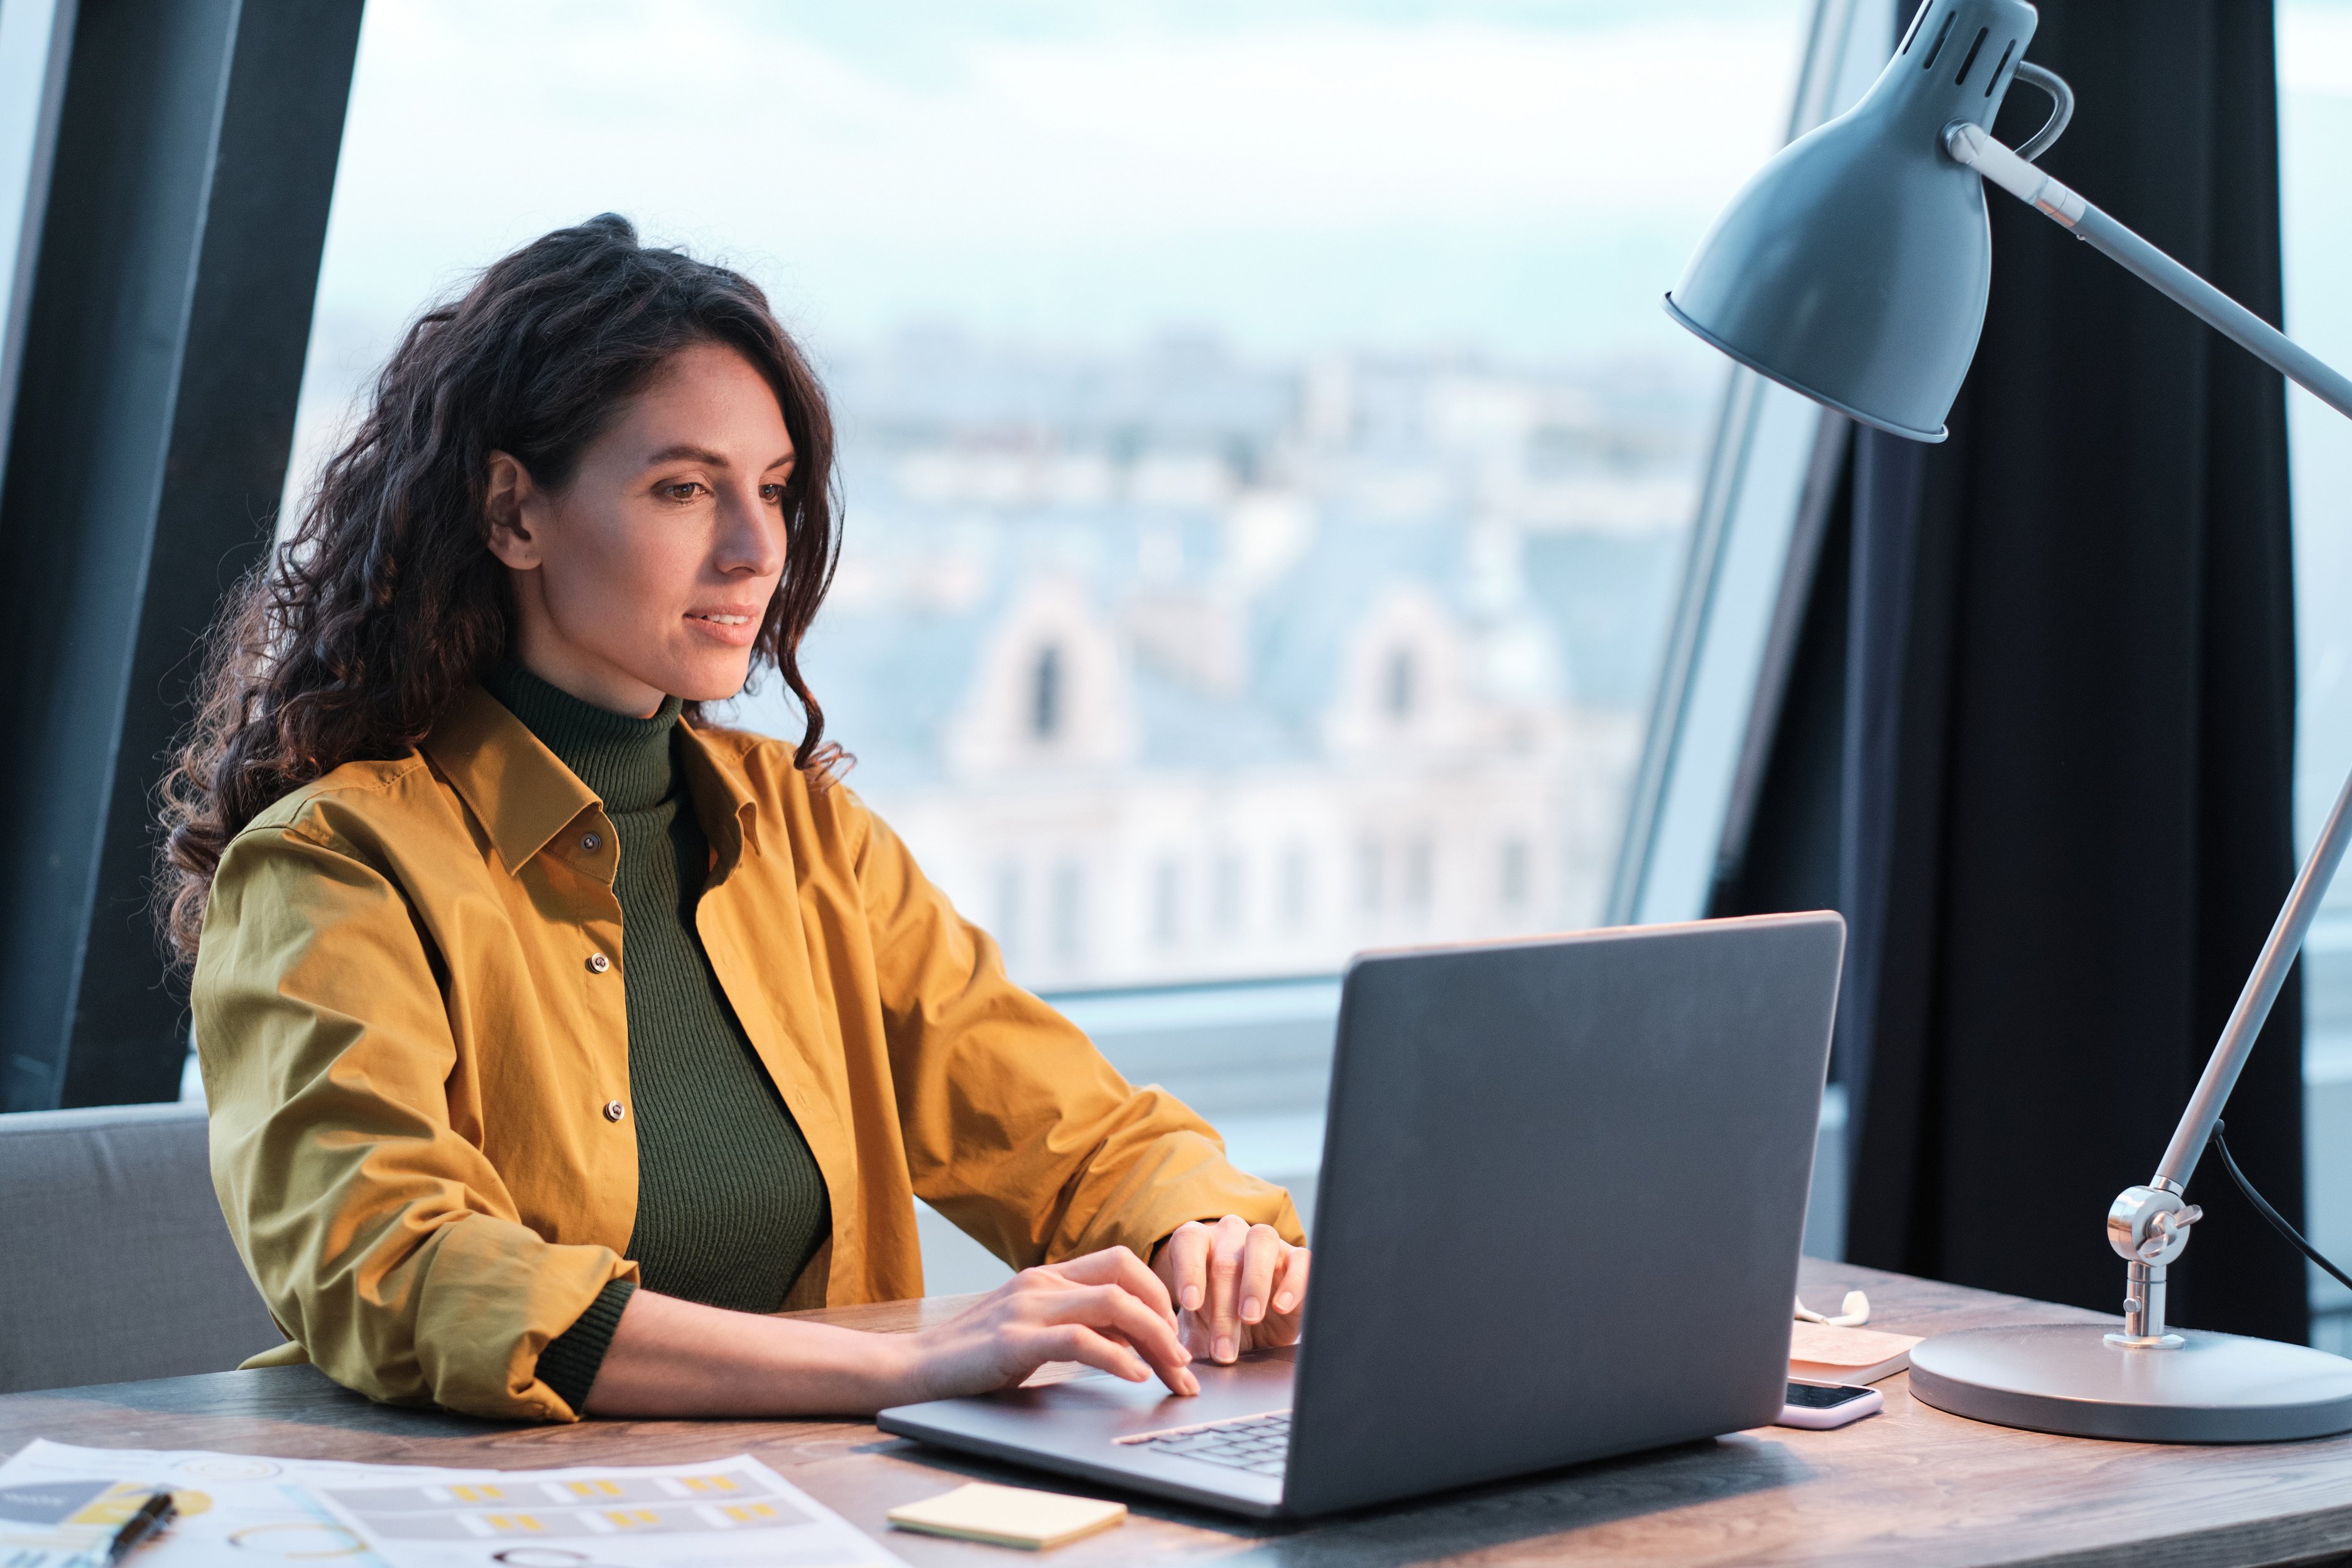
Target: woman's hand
[
  {"x": 670, "y": 1358},
  {"x": 1106, "y": 1309},
  {"x": 1241, "y": 1285}
]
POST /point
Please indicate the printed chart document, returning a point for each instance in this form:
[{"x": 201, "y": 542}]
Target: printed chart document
[
  {"x": 61, "y": 1505},
  {"x": 718, "y": 1513}
]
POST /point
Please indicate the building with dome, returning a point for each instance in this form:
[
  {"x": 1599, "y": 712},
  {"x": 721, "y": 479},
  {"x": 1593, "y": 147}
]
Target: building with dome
[{"x": 1171, "y": 667}]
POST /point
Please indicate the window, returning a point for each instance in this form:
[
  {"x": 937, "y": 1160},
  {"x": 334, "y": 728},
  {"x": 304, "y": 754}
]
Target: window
[
  {"x": 1070, "y": 914},
  {"x": 2314, "y": 43},
  {"x": 1258, "y": 429},
  {"x": 1045, "y": 695},
  {"x": 1513, "y": 883},
  {"x": 1294, "y": 889},
  {"x": 1419, "y": 874},
  {"x": 1167, "y": 904},
  {"x": 1269, "y": 477},
  {"x": 1400, "y": 684},
  {"x": 1006, "y": 920},
  {"x": 1225, "y": 896}
]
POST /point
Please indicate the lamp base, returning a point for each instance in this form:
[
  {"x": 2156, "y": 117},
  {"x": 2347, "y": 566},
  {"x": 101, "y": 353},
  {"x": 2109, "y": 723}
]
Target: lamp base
[{"x": 2067, "y": 1378}]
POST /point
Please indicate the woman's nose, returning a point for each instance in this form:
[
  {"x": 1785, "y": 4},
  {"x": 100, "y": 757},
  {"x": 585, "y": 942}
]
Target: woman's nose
[{"x": 750, "y": 536}]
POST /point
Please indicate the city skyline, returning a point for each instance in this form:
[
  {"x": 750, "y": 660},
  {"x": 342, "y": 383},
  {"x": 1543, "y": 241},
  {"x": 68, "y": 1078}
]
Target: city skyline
[{"x": 1170, "y": 665}]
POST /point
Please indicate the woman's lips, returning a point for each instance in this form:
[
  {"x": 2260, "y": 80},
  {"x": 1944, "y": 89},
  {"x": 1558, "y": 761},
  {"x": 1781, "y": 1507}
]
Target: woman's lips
[{"x": 734, "y": 625}]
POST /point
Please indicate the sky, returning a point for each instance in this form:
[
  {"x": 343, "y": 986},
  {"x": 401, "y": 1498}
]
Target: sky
[{"x": 1525, "y": 177}]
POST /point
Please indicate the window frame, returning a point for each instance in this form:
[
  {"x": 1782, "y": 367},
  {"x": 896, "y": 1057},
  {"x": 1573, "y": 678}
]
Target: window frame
[{"x": 1770, "y": 477}]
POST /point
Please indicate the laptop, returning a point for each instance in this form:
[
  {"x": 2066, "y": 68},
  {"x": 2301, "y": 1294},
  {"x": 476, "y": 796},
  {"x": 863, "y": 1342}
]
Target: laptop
[{"x": 1562, "y": 1194}]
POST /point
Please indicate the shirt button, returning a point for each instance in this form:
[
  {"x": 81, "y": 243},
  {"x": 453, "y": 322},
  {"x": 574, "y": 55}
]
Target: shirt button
[
  {"x": 598, "y": 963},
  {"x": 615, "y": 1111},
  {"x": 592, "y": 842}
]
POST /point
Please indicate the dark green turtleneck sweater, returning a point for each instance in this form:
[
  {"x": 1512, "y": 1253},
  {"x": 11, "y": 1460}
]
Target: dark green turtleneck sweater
[{"x": 730, "y": 1203}]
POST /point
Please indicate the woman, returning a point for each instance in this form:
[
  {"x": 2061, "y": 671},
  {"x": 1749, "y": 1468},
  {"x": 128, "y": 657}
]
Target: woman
[{"x": 556, "y": 1039}]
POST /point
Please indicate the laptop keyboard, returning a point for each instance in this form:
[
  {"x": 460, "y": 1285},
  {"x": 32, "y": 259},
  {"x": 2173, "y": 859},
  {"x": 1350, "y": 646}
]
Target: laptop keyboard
[{"x": 1258, "y": 1444}]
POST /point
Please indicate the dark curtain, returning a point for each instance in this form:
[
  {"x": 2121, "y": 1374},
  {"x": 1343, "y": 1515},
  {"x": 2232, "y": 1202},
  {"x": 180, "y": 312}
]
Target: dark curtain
[{"x": 2069, "y": 730}]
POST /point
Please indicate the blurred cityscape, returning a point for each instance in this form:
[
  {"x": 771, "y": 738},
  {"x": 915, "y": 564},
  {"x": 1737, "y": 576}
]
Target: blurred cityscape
[{"x": 1178, "y": 665}]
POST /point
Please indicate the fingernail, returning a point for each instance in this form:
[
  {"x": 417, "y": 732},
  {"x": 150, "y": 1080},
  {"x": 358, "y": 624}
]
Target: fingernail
[
  {"x": 1224, "y": 1349},
  {"x": 1252, "y": 1310},
  {"x": 1282, "y": 1303},
  {"x": 1191, "y": 1297},
  {"x": 1191, "y": 1384}
]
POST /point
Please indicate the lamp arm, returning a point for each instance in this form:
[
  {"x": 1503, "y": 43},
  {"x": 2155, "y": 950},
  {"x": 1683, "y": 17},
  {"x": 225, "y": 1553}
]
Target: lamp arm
[
  {"x": 1971, "y": 145},
  {"x": 2254, "y": 1007}
]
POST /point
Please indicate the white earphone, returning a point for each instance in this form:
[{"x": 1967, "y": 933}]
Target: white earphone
[{"x": 1852, "y": 1312}]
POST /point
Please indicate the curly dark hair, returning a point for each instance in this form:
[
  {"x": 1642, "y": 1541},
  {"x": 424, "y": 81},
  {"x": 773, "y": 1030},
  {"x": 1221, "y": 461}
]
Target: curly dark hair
[{"x": 355, "y": 634}]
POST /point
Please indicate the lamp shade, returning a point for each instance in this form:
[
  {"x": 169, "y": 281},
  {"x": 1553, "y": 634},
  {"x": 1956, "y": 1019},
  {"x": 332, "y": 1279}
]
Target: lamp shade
[{"x": 1854, "y": 267}]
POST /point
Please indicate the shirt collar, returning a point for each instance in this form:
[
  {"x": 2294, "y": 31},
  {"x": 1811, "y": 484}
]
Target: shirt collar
[
  {"x": 626, "y": 759},
  {"x": 722, "y": 798},
  {"x": 519, "y": 791},
  {"x": 523, "y": 794}
]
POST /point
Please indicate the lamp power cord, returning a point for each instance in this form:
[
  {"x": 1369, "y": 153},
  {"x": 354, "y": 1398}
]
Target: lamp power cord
[{"x": 2277, "y": 1219}]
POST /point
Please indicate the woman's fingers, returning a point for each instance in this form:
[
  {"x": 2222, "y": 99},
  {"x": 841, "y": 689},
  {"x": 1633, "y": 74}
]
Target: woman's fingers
[
  {"x": 1281, "y": 1325},
  {"x": 1076, "y": 1342},
  {"x": 1115, "y": 1312},
  {"x": 1290, "y": 1285},
  {"x": 1118, "y": 1266},
  {"x": 1261, "y": 1251},
  {"x": 1136, "y": 1278},
  {"x": 1238, "y": 1285},
  {"x": 1055, "y": 1300},
  {"x": 1103, "y": 1310},
  {"x": 1184, "y": 1263},
  {"x": 1227, "y": 1239}
]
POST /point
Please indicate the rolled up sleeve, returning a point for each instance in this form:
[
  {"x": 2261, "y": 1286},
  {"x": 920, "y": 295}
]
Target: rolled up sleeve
[
  {"x": 1015, "y": 1126},
  {"x": 381, "y": 1240}
]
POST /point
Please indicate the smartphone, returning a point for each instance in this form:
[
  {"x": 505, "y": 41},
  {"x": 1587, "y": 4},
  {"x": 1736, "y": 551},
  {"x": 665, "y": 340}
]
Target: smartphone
[{"x": 1820, "y": 1405}]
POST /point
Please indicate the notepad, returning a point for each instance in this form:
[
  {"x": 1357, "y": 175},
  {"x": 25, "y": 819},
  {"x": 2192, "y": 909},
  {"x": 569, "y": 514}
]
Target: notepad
[
  {"x": 1009, "y": 1516},
  {"x": 1820, "y": 1354}
]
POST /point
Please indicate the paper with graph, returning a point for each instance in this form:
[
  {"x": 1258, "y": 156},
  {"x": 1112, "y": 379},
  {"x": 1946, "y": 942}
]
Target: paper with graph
[
  {"x": 720, "y": 1513},
  {"x": 60, "y": 1505}
]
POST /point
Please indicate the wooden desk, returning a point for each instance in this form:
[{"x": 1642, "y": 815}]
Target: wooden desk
[{"x": 1914, "y": 1487}]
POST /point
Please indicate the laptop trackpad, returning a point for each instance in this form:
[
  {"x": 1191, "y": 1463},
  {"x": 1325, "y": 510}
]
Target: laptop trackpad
[
  {"x": 1086, "y": 1412},
  {"x": 1074, "y": 1425},
  {"x": 1260, "y": 1382}
]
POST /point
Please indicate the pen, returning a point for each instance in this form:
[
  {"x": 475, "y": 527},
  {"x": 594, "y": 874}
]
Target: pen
[{"x": 153, "y": 1516}]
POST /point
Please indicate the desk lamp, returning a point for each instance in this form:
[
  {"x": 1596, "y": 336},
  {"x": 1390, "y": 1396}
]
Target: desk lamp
[{"x": 1853, "y": 269}]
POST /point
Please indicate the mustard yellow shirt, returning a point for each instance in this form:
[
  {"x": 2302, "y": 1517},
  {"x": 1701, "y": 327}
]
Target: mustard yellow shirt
[{"x": 408, "y": 1009}]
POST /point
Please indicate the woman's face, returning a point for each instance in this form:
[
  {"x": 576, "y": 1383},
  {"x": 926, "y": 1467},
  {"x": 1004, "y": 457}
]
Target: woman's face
[{"x": 648, "y": 574}]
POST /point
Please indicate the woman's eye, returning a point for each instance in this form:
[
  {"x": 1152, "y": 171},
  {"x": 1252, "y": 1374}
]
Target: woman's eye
[
  {"x": 684, "y": 489},
  {"x": 772, "y": 494}
]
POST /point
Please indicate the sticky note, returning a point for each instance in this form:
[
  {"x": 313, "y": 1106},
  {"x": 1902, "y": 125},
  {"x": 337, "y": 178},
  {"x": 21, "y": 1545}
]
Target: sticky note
[{"x": 1009, "y": 1516}]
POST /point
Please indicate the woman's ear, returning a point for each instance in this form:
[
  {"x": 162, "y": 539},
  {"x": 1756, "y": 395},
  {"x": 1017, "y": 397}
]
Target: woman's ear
[{"x": 506, "y": 502}]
